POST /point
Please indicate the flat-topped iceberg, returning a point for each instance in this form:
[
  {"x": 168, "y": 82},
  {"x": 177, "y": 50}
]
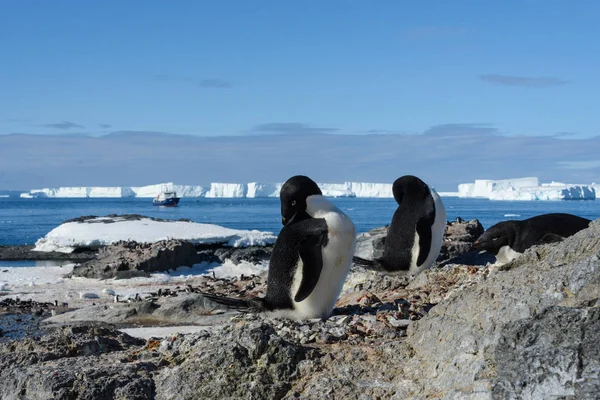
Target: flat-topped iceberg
[
  {"x": 526, "y": 189},
  {"x": 102, "y": 231},
  {"x": 213, "y": 190}
]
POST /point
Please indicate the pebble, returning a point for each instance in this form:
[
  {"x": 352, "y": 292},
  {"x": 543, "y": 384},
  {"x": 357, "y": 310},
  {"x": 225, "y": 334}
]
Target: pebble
[{"x": 398, "y": 323}]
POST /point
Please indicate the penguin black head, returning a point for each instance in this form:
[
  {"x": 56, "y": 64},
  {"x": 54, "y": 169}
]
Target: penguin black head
[
  {"x": 411, "y": 186},
  {"x": 293, "y": 196},
  {"x": 494, "y": 238}
]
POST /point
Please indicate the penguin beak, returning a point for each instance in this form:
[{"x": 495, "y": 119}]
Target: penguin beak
[
  {"x": 476, "y": 244},
  {"x": 286, "y": 221}
]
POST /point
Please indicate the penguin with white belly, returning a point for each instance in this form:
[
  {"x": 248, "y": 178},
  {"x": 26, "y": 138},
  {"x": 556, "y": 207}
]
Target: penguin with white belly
[
  {"x": 311, "y": 257},
  {"x": 416, "y": 232},
  {"x": 507, "y": 240}
]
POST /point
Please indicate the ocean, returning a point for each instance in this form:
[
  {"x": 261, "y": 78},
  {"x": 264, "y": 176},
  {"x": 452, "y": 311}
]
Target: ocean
[{"x": 23, "y": 221}]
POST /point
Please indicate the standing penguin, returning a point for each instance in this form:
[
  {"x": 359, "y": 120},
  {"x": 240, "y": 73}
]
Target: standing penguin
[
  {"x": 311, "y": 257},
  {"x": 415, "y": 234},
  {"x": 507, "y": 240}
]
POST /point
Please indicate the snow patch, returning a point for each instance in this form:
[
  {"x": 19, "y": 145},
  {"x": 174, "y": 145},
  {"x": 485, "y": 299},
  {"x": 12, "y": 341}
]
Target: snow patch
[{"x": 96, "y": 232}]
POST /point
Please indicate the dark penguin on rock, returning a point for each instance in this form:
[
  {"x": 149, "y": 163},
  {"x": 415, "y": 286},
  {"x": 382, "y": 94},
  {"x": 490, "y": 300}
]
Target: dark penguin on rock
[
  {"x": 507, "y": 240},
  {"x": 416, "y": 232},
  {"x": 311, "y": 257}
]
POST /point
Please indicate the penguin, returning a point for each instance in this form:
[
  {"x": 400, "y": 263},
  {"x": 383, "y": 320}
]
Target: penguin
[
  {"x": 507, "y": 240},
  {"x": 311, "y": 257},
  {"x": 415, "y": 235}
]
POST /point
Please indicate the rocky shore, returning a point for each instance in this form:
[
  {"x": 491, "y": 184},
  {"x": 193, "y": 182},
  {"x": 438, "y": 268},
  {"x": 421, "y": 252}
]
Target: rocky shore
[{"x": 464, "y": 329}]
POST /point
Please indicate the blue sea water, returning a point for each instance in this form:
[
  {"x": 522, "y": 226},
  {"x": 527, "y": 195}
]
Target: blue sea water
[{"x": 23, "y": 221}]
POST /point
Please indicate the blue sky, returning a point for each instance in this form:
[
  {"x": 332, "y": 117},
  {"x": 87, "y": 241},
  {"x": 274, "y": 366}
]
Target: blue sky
[{"x": 519, "y": 68}]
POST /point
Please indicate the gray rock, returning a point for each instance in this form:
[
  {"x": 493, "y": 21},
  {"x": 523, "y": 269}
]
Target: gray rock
[
  {"x": 528, "y": 330},
  {"x": 458, "y": 240},
  {"x": 370, "y": 245},
  {"x": 455, "y": 345},
  {"x": 25, "y": 252},
  {"x": 252, "y": 362},
  {"x": 553, "y": 354},
  {"x": 185, "y": 308},
  {"x": 77, "y": 362},
  {"x": 236, "y": 255},
  {"x": 128, "y": 259}
]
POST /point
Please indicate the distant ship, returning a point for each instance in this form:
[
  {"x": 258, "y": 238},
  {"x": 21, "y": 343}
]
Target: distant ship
[{"x": 166, "y": 199}]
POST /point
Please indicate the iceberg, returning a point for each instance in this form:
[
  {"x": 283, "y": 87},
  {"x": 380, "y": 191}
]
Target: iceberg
[
  {"x": 213, "y": 190},
  {"x": 256, "y": 189},
  {"x": 227, "y": 190},
  {"x": 526, "y": 189}
]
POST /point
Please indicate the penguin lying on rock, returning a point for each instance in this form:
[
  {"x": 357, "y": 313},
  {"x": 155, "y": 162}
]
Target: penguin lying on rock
[
  {"x": 311, "y": 257},
  {"x": 507, "y": 240},
  {"x": 416, "y": 232}
]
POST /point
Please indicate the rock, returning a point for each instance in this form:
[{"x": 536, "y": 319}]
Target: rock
[
  {"x": 252, "y": 362},
  {"x": 185, "y": 308},
  {"x": 370, "y": 245},
  {"x": 527, "y": 330},
  {"x": 130, "y": 259},
  {"x": 236, "y": 255},
  {"x": 76, "y": 362},
  {"x": 25, "y": 252},
  {"x": 458, "y": 240},
  {"x": 491, "y": 315},
  {"x": 553, "y": 354}
]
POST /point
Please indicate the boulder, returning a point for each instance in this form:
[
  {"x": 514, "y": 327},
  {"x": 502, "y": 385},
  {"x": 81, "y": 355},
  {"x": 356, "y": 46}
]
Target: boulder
[
  {"x": 458, "y": 240},
  {"x": 127, "y": 259}
]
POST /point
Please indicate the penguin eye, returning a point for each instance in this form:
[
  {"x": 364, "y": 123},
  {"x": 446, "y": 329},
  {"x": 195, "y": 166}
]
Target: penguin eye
[
  {"x": 293, "y": 203},
  {"x": 495, "y": 238}
]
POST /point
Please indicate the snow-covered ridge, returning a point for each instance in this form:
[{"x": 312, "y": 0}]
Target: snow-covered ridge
[
  {"x": 102, "y": 231},
  {"x": 214, "y": 190},
  {"x": 527, "y": 189}
]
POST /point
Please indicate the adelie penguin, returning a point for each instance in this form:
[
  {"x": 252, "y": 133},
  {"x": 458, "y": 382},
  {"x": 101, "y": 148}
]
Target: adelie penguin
[
  {"x": 311, "y": 257},
  {"x": 416, "y": 232},
  {"x": 507, "y": 240}
]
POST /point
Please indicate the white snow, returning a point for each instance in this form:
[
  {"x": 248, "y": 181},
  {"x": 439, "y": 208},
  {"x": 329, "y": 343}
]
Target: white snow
[
  {"x": 46, "y": 284},
  {"x": 68, "y": 236},
  {"x": 213, "y": 190},
  {"x": 526, "y": 189}
]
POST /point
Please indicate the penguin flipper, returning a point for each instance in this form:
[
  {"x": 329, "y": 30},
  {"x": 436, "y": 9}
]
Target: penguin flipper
[
  {"x": 424, "y": 225},
  {"x": 550, "y": 238},
  {"x": 310, "y": 253},
  {"x": 250, "y": 305}
]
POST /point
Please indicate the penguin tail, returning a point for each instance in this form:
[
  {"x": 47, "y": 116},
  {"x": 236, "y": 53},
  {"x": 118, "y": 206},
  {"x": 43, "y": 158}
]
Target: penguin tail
[
  {"x": 373, "y": 265},
  {"x": 247, "y": 305}
]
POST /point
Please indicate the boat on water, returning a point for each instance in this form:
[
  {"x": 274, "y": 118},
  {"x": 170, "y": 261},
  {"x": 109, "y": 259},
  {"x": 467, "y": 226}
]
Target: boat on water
[{"x": 166, "y": 199}]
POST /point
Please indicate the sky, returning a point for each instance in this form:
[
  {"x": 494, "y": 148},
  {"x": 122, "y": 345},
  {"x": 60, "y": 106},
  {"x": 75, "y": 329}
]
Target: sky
[{"x": 512, "y": 79}]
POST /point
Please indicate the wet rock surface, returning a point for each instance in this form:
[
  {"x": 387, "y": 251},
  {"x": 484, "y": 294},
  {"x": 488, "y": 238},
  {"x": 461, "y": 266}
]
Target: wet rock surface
[{"x": 527, "y": 330}]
